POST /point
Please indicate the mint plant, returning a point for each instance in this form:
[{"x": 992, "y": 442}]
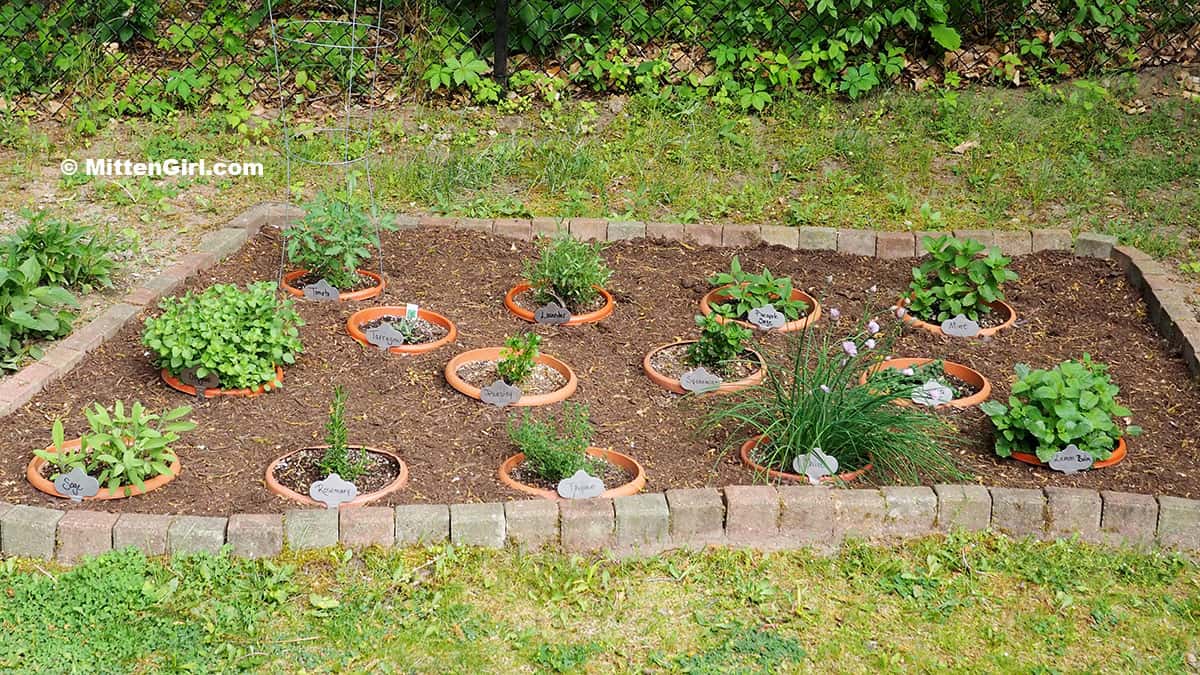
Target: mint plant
[
  {"x": 957, "y": 279},
  {"x": 1072, "y": 403},
  {"x": 241, "y": 335},
  {"x": 336, "y": 458},
  {"x": 719, "y": 344},
  {"x": 567, "y": 271},
  {"x": 122, "y": 449},
  {"x": 334, "y": 237},
  {"x": 555, "y": 449},
  {"x": 748, "y": 291},
  {"x": 517, "y": 358}
]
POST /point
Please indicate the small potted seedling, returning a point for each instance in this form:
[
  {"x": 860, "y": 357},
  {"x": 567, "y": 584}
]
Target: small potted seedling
[
  {"x": 761, "y": 301},
  {"x": 718, "y": 362},
  {"x": 958, "y": 290},
  {"x": 123, "y": 454},
  {"x": 401, "y": 330},
  {"x": 224, "y": 341},
  {"x": 934, "y": 382},
  {"x": 1066, "y": 417},
  {"x": 329, "y": 243},
  {"x": 554, "y": 452},
  {"x": 516, "y": 374},
  {"x": 337, "y": 473},
  {"x": 564, "y": 285}
]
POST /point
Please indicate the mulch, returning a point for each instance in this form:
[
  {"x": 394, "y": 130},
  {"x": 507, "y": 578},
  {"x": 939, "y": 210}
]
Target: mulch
[{"x": 453, "y": 444}]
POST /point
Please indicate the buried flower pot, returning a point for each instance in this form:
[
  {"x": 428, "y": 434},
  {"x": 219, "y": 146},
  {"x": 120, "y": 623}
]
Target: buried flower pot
[
  {"x": 513, "y": 301},
  {"x": 970, "y": 377},
  {"x": 472, "y": 371},
  {"x": 1117, "y": 455},
  {"x": 665, "y": 365},
  {"x": 1002, "y": 316},
  {"x": 374, "y": 284},
  {"x": 746, "y": 453},
  {"x": 719, "y": 295},
  {"x": 35, "y": 474},
  {"x": 210, "y": 392},
  {"x": 429, "y": 332},
  {"x": 618, "y": 461},
  {"x": 290, "y": 475}
]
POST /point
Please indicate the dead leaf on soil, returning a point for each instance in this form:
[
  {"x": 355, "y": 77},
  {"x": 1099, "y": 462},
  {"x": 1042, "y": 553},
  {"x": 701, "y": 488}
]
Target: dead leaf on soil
[{"x": 962, "y": 148}]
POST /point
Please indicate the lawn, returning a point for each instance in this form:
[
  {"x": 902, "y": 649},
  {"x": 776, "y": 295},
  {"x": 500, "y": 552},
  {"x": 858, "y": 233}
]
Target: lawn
[{"x": 978, "y": 603}]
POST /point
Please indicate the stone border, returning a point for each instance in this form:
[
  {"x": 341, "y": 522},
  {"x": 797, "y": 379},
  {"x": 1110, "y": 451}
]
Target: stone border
[{"x": 756, "y": 516}]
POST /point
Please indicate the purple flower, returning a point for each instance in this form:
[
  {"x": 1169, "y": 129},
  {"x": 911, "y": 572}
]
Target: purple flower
[
  {"x": 908, "y": 371},
  {"x": 850, "y": 348},
  {"x": 870, "y": 343},
  {"x": 872, "y": 327},
  {"x": 873, "y": 289},
  {"x": 835, "y": 314},
  {"x": 825, "y": 388},
  {"x": 900, "y": 312}
]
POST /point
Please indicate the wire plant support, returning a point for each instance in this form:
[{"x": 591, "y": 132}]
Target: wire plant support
[{"x": 358, "y": 42}]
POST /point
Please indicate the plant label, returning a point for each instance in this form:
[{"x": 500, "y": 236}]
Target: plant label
[
  {"x": 500, "y": 394},
  {"x": 320, "y": 290},
  {"x": 933, "y": 393},
  {"x": 1071, "y": 460},
  {"x": 76, "y": 484},
  {"x": 551, "y": 314},
  {"x": 411, "y": 312},
  {"x": 766, "y": 317},
  {"x": 580, "y": 486},
  {"x": 960, "y": 326},
  {"x": 189, "y": 377},
  {"x": 699, "y": 380},
  {"x": 816, "y": 465},
  {"x": 332, "y": 491},
  {"x": 384, "y": 336}
]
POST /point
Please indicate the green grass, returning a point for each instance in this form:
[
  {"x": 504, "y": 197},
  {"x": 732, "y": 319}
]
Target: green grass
[{"x": 963, "y": 603}]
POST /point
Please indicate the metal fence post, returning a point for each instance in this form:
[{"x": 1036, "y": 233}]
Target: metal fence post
[{"x": 500, "y": 45}]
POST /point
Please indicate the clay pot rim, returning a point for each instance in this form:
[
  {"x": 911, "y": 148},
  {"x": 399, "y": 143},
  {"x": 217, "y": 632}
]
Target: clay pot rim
[
  {"x": 510, "y": 301},
  {"x": 814, "y": 310},
  {"x": 493, "y": 353},
  {"x": 936, "y": 329},
  {"x": 620, "y": 459},
  {"x": 673, "y": 385},
  {"x": 1117, "y": 455},
  {"x": 981, "y": 383},
  {"x": 174, "y": 383},
  {"x": 343, "y": 296},
  {"x": 279, "y": 489},
  {"x": 753, "y": 442},
  {"x": 34, "y": 475},
  {"x": 371, "y": 313}
]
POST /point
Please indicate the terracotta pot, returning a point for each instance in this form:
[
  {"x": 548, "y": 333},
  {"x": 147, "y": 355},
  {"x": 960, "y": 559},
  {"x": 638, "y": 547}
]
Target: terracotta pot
[
  {"x": 983, "y": 386},
  {"x": 629, "y": 464},
  {"x": 363, "y": 316},
  {"x": 174, "y": 383},
  {"x": 510, "y": 302},
  {"x": 792, "y": 477},
  {"x": 715, "y": 296},
  {"x": 1000, "y": 307},
  {"x": 343, "y": 296},
  {"x": 1117, "y": 455},
  {"x": 493, "y": 354},
  {"x": 400, "y": 481},
  {"x": 673, "y": 385},
  {"x": 33, "y": 473}
]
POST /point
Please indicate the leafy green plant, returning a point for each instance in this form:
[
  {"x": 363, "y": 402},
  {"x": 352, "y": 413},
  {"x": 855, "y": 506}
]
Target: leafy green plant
[
  {"x": 914, "y": 377},
  {"x": 240, "y": 335},
  {"x": 122, "y": 449},
  {"x": 29, "y": 310},
  {"x": 1073, "y": 403},
  {"x": 555, "y": 449},
  {"x": 956, "y": 279},
  {"x": 70, "y": 255},
  {"x": 748, "y": 291},
  {"x": 334, "y": 237},
  {"x": 336, "y": 458},
  {"x": 517, "y": 357},
  {"x": 567, "y": 271},
  {"x": 720, "y": 343}
]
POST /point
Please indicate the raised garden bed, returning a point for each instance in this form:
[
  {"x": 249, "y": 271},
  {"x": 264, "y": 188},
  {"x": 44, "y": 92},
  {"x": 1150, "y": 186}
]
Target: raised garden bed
[{"x": 453, "y": 444}]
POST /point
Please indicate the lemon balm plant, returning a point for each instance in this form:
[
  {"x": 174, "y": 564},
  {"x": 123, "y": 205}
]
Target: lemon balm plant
[
  {"x": 957, "y": 278},
  {"x": 241, "y": 336}
]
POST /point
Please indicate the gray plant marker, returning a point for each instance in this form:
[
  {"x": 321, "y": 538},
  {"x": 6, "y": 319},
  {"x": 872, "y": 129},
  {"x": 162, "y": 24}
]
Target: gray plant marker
[
  {"x": 552, "y": 314},
  {"x": 766, "y": 317},
  {"x": 500, "y": 394},
  {"x": 700, "y": 380},
  {"x": 933, "y": 393},
  {"x": 321, "y": 290},
  {"x": 1071, "y": 460},
  {"x": 211, "y": 381},
  {"x": 580, "y": 486},
  {"x": 385, "y": 335},
  {"x": 76, "y": 484},
  {"x": 960, "y": 326},
  {"x": 816, "y": 465},
  {"x": 332, "y": 491}
]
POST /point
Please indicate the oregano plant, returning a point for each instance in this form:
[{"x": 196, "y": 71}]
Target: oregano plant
[{"x": 719, "y": 345}]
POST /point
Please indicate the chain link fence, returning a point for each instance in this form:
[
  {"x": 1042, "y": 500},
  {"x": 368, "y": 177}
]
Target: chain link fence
[{"x": 144, "y": 57}]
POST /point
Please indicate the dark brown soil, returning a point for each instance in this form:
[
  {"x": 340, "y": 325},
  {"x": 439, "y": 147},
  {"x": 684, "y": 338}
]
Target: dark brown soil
[
  {"x": 673, "y": 362},
  {"x": 453, "y": 444},
  {"x": 542, "y": 380},
  {"x": 360, "y": 283},
  {"x": 299, "y": 471},
  {"x": 423, "y": 331}
]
